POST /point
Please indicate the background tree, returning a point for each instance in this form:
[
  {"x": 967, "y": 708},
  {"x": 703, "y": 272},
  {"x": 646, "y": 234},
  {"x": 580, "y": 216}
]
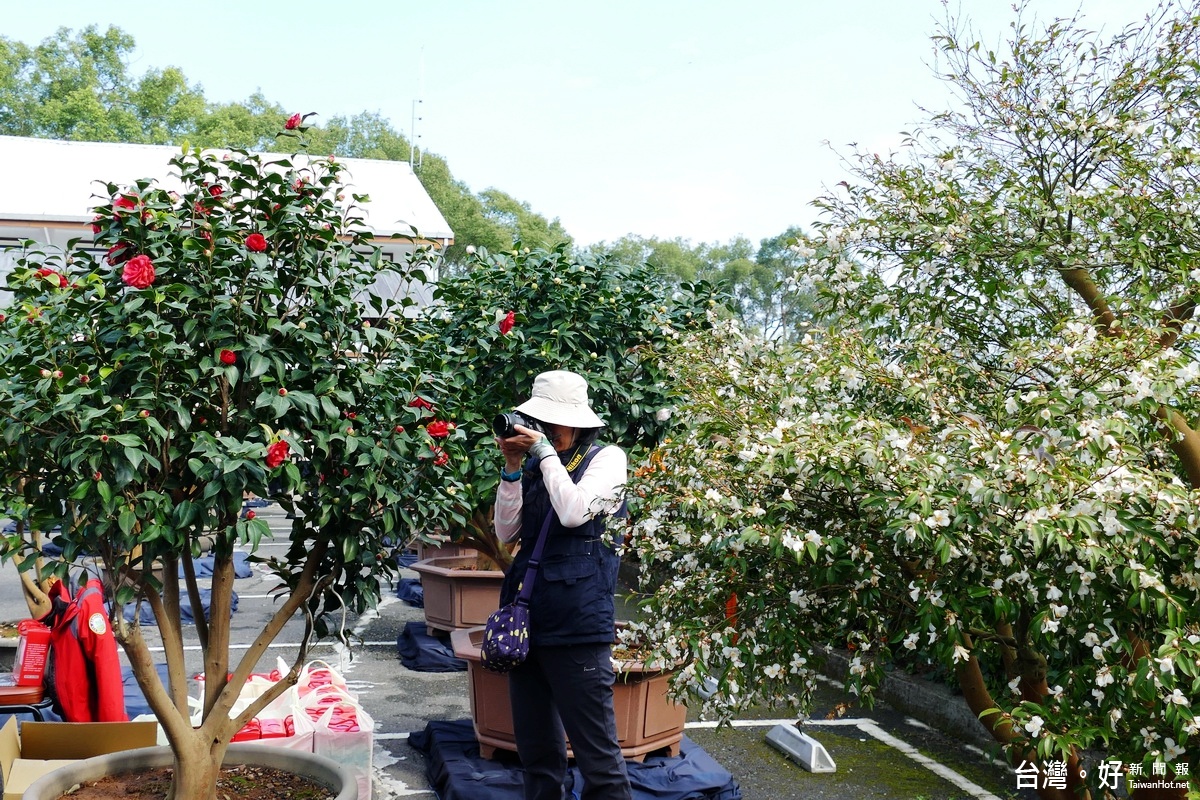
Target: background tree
[
  {"x": 989, "y": 454},
  {"x": 758, "y": 282}
]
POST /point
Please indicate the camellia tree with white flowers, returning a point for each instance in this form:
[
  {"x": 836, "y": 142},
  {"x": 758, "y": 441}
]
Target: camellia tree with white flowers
[{"x": 987, "y": 452}]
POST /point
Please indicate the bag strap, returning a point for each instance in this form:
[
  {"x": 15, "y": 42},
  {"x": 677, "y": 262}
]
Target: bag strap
[{"x": 535, "y": 558}]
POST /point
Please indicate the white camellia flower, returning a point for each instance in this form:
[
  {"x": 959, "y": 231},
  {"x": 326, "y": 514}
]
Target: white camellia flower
[{"x": 1034, "y": 726}]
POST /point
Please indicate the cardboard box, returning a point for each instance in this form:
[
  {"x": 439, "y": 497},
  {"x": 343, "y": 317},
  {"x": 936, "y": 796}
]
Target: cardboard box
[{"x": 39, "y": 747}]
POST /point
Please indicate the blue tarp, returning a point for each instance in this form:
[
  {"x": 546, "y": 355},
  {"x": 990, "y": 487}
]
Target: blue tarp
[
  {"x": 135, "y": 701},
  {"x": 422, "y": 651},
  {"x": 204, "y": 566},
  {"x": 456, "y": 771},
  {"x": 146, "y": 617}
]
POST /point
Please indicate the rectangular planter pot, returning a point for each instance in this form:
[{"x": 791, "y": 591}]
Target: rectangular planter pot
[
  {"x": 647, "y": 719},
  {"x": 428, "y": 551},
  {"x": 456, "y": 595}
]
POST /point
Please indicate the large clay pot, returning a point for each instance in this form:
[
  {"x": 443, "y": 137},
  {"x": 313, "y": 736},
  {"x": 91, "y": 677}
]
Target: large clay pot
[
  {"x": 647, "y": 719},
  {"x": 456, "y": 594},
  {"x": 325, "y": 771}
]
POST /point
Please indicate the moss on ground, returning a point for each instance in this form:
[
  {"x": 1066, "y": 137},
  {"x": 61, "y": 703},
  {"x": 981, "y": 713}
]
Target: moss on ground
[{"x": 866, "y": 768}]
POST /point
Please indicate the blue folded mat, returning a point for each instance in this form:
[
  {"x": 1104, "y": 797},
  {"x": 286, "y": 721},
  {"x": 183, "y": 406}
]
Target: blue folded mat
[
  {"x": 410, "y": 591},
  {"x": 456, "y": 771},
  {"x": 423, "y": 652}
]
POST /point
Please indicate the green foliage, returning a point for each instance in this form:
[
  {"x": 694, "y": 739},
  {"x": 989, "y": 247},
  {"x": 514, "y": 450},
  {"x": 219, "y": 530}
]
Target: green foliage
[
  {"x": 606, "y": 320},
  {"x": 988, "y": 451}
]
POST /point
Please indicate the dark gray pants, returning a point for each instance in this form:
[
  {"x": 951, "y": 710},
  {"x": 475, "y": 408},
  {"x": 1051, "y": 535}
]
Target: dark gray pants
[{"x": 568, "y": 688}]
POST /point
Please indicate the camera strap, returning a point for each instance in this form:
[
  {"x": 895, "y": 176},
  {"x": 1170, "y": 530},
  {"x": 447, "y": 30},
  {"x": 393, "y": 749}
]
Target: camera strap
[{"x": 576, "y": 458}]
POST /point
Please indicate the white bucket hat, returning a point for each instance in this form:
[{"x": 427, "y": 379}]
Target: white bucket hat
[{"x": 561, "y": 398}]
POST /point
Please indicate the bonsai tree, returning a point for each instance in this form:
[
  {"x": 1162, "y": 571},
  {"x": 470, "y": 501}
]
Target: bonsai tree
[
  {"x": 512, "y": 315},
  {"x": 220, "y": 345},
  {"x": 988, "y": 453}
]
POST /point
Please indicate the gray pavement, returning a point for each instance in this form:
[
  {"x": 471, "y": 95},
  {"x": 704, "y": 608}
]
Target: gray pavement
[{"x": 883, "y": 753}]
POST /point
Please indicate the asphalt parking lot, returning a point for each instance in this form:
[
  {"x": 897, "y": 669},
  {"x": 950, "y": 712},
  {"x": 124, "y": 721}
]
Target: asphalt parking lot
[{"x": 881, "y": 753}]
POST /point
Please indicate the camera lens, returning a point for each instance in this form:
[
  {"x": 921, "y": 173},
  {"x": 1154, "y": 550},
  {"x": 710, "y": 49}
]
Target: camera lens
[{"x": 502, "y": 425}]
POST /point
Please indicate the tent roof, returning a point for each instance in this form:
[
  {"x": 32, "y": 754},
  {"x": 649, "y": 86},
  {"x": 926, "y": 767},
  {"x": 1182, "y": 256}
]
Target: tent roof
[{"x": 49, "y": 182}]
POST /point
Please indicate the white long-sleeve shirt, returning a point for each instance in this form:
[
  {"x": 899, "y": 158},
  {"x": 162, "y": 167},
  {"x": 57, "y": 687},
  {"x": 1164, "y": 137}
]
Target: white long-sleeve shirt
[{"x": 599, "y": 491}]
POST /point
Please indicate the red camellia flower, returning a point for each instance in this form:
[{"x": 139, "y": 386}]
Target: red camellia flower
[
  {"x": 256, "y": 242},
  {"x": 215, "y": 191},
  {"x": 507, "y": 323},
  {"x": 440, "y": 457},
  {"x": 96, "y": 224},
  {"x": 139, "y": 272},
  {"x": 228, "y": 357},
  {"x": 250, "y": 514},
  {"x": 124, "y": 203},
  {"x": 293, "y": 122},
  {"x": 420, "y": 402},
  {"x": 117, "y": 254},
  {"x": 44, "y": 272},
  {"x": 439, "y": 428},
  {"x": 277, "y": 453}
]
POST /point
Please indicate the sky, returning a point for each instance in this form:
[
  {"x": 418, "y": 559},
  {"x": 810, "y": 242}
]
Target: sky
[{"x": 703, "y": 120}]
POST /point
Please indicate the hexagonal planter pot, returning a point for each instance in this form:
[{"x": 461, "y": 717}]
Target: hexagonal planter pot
[
  {"x": 457, "y": 595},
  {"x": 647, "y": 719}
]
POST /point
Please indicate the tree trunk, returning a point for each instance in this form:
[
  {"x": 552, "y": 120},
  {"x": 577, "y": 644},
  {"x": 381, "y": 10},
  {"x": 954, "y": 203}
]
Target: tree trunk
[
  {"x": 197, "y": 766},
  {"x": 999, "y": 725}
]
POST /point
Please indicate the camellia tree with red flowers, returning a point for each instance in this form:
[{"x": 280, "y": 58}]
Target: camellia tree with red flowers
[
  {"x": 221, "y": 346},
  {"x": 514, "y": 314}
]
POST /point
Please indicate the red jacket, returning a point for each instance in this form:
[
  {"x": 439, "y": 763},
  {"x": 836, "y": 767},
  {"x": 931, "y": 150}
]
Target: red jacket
[{"x": 87, "y": 672}]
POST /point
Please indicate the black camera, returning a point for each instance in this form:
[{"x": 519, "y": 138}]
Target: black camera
[{"x": 502, "y": 424}]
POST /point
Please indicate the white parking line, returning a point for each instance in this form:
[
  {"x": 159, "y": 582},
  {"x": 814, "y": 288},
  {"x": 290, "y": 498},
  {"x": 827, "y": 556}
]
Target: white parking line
[{"x": 870, "y": 728}]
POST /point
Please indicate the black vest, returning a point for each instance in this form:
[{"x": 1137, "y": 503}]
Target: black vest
[{"x": 572, "y": 600}]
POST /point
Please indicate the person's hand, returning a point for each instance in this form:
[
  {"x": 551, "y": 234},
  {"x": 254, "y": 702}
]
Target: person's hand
[{"x": 524, "y": 441}]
